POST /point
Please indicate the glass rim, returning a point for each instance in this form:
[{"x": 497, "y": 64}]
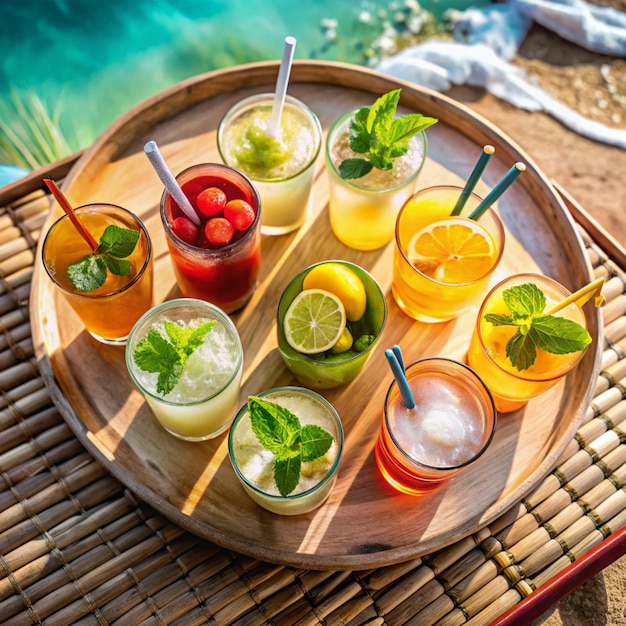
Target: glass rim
[
  {"x": 167, "y": 304},
  {"x": 330, "y": 365},
  {"x": 480, "y": 383},
  {"x": 233, "y": 245},
  {"x": 497, "y": 220},
  {"x": 350, "y": 182},
  {"x": 238, "y": 107},
  {"x": 332, "y": 470},
  {"x": 86, "y": 294},
  {"x": 518, "y": 375}
]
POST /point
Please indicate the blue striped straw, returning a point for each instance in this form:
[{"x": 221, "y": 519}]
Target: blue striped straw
[
  {"x": 400, "y": 376},
  {"x": 477, "y": 172},
  {"x": 398, "y": 352}
]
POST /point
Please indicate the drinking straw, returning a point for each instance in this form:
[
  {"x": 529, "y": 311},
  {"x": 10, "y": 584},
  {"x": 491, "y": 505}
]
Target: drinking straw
[
  {"x": 477, "y": 172},
  {"x": 583, "y": 295},
  {"x": 400, "y": 376},
  {"x": 171, "y": 184},
  {"x": 398, "y": 352},
  {"x": 65, "y": 205},
  {"x": 498, "y": 190},
  {"x": 281, "y": 85}
]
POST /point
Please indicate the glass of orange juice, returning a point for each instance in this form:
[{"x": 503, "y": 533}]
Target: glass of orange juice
[
  {"x": 442, "y": 263},
  {"x": 488, "y": 354},
  {"x": 110, "y": 311}
]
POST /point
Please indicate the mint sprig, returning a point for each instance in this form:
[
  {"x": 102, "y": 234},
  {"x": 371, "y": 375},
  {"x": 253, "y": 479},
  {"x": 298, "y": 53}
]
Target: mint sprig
[
  {"x": 115, "y": 245},
  {"x": 279, "y": 431},
  {"x": 379, "y": 137},
  {"x": 550, "y": 333},
  {"x": 167, "y": 355}
]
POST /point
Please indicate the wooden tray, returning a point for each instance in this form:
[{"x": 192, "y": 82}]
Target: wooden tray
[{"x": 365, "y": 523}]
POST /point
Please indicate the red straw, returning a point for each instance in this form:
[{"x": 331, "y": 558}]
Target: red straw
[{"x": 65, "y": 205}]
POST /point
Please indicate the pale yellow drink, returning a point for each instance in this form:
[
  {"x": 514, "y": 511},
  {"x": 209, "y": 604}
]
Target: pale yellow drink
[
  {"x": 203, "y": 402},
  {"x": 363, "y": 211},
  {"x": 253, "y": 464},
  {"x": 280, "y": 166},
  {"x": 512, "y": 388},
  {"x": 431, "y": 294}
]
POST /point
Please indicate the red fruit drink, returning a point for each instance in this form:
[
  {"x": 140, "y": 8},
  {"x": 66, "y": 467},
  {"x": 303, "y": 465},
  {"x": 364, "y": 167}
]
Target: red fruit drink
[{"x": 212, "y": 261}]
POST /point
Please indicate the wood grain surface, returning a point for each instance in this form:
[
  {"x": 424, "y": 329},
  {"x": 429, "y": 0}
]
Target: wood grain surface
[{"x": 365, "y": 523}]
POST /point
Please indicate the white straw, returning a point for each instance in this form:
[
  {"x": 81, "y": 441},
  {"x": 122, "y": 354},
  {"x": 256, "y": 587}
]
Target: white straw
[
  {"x": 167, "y": 178},
  {"x": 281, "y": 85}
]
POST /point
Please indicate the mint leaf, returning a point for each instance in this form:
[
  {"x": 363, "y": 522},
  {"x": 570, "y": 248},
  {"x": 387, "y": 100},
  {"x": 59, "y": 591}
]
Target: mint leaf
[
  {"x": 354, "y": 168},
  {"x": 287, "y": 474},
  {"x": 316, "y": 442},
  {"x": 524, "y": 300},
  {"x": 553, "y": 334},
  {"x": 379, "y": 137},
  {"x": 276, "y": 428},
  {"x": 558, "y": 335},
  {"x": 88, "y": 274},
  {"x": 279, "y": 431},
  {"x": 119, "y": 267},
  {"x": 521, "y": 351},
  {"x": 168, "y": 354},
  {"x": 116, "y": 243}
]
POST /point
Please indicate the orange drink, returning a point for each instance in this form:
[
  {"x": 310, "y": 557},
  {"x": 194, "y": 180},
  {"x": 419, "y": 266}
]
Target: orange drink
[
  {"x": 450, "y": 426},
  {"x": 442, "y": 263},
  {"x": 488, "y": 354},
  {"x": 109, "y": 311}
]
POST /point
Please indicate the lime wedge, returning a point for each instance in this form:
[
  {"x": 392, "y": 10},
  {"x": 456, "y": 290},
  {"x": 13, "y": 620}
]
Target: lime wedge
[{"x": 314, "y": 321}]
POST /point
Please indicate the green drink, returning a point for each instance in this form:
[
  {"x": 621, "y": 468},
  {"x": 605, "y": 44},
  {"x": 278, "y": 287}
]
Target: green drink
[{"x": 280, "y": 165}]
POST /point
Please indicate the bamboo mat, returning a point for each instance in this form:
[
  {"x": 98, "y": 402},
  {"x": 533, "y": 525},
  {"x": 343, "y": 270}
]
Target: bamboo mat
[{"x": 77, "y": 547}]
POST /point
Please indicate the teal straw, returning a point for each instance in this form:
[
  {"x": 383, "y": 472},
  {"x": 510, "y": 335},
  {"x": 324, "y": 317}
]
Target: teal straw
[
  {"x": 400, "y": 376},
  {"x": 398, "y": 352},
  {"x": 479, "y": 168},
  {"x": 498, "y": 190}
]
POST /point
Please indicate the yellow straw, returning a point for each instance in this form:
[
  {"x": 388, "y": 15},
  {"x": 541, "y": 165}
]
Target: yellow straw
[{"x": 583, "y": 295}]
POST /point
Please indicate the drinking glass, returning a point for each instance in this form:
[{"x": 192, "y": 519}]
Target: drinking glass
[
  {"x": 363, "y": 211},
  {"x": 204, "y": 401},
  {"x": 450, "y": 427},
  {"x": 512, "y": 388},
  {"x": 253, "y": 464},
  {"x": 425, "y": 296},
  {"x": 225, "y": 276},
  {"x": 110, "y": 311},
  {"x": 281, "y": 168}
]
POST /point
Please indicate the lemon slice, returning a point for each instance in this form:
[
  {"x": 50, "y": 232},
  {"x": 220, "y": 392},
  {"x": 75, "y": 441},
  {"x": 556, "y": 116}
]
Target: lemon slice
[
  {"x": 314, "y": 321},
  {"x": 453, "y": 250}
]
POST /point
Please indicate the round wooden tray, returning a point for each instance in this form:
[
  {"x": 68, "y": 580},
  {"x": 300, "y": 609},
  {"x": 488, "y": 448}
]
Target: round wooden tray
[{"x": 365, "y": 523}]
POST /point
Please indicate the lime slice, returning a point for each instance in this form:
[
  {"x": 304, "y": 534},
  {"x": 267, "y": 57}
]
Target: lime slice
[{"x": 314, "y": 321}]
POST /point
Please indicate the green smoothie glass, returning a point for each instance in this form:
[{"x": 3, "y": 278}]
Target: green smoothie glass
[
  {"x": 280, "y": 166},
  {"x": 328, "y": 369}
]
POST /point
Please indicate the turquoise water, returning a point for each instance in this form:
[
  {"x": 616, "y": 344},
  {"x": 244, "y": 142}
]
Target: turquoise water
[{"x": 91, "y": 60}]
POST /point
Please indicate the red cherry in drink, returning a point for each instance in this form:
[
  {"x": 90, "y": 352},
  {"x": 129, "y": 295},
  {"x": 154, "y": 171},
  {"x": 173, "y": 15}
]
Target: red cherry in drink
[
  {"x": 185, "y": 229},
  {"x": 219, "y": 231},
  {"x": 211, "y": 201},
  {"x": 239, "y": 213}
]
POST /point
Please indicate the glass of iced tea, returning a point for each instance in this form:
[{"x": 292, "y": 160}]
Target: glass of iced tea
[
  {"x": 219, "y": 259},
  {"x": 195, "y": 396},
  {"x": 513, "y": 384},
  {"x": 442, "y": 263},
  {"x": 281, "y": 166},
  {"x": 109, "y": 311},
  {"x": 449, "y": 428}
]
